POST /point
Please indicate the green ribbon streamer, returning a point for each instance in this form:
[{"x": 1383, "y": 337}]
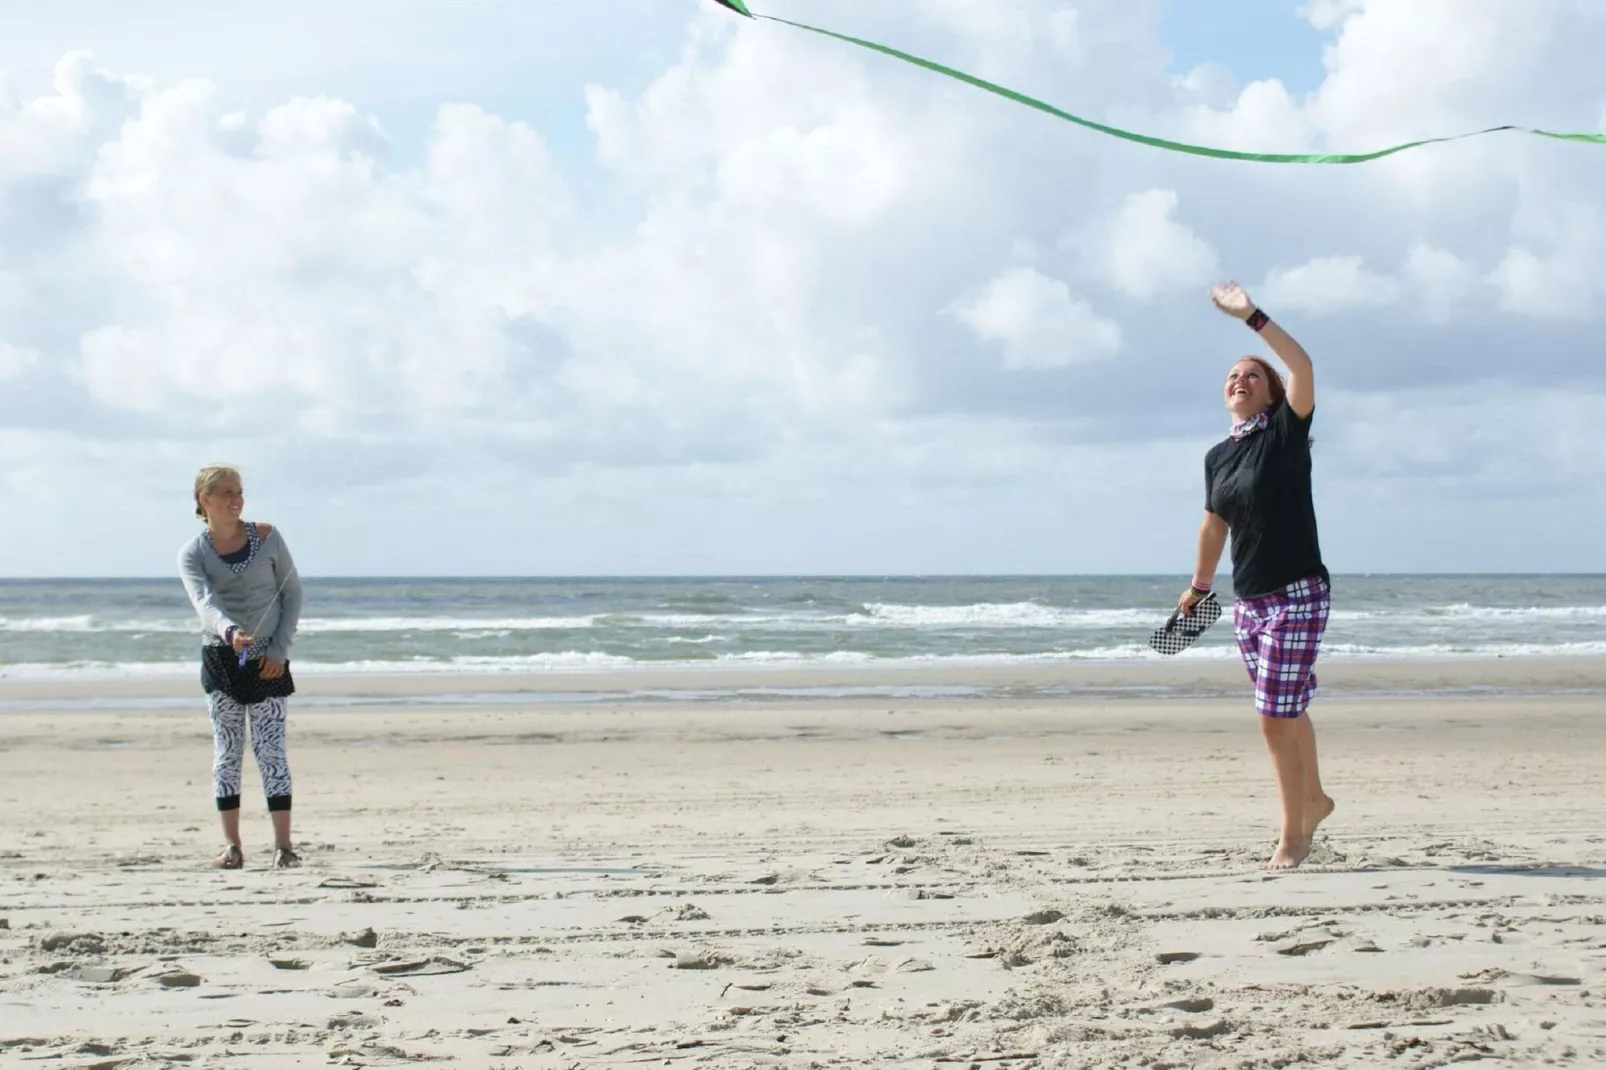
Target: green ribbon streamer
[{"x": 1144, "y": 139}]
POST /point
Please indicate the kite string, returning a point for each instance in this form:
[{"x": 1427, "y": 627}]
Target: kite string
[
  {"x": 295, "y": 568},
  {"x": 1156, "y": 142},
  {"x": 246, "y": 651}
]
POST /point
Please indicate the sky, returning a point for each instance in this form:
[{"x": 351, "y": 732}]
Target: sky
[{"x": 490, "y": 287}]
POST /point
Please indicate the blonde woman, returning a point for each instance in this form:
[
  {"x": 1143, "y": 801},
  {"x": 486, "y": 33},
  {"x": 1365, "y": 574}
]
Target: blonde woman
[{"x": 243, "y": 584}]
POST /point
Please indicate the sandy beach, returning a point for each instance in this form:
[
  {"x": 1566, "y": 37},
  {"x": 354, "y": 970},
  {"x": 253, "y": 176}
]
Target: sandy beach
[{"x": 1072, "y": 881}]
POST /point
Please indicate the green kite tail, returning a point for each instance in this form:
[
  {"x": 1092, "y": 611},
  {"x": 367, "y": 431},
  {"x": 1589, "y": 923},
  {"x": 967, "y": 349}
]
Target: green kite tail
[{"x": 1144, "y": 139}]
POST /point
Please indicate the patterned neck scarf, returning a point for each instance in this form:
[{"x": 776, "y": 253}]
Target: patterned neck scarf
[
  {"x": 253, "y": 540},
  {"x": 1245, "y": 428}
]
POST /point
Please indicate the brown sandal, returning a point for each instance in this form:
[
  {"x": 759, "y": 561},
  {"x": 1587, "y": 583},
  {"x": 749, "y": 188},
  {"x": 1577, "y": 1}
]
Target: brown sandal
[{"x": 231, "y": 858}]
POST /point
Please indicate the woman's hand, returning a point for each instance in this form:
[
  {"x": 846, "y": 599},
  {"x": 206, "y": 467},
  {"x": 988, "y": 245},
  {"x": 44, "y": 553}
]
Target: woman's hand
[
  {"x": 1231, "y": 299},
  {"x": 240, "y": 640},
  {"x": 272, "y": 668}
]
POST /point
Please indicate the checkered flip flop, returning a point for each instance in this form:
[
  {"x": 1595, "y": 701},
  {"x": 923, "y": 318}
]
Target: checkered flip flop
[{"x": 1179, "y": 632}]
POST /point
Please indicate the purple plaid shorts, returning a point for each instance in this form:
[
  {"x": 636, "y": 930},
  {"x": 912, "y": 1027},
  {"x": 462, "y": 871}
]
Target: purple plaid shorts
[{"x": 1279, "y": 635}]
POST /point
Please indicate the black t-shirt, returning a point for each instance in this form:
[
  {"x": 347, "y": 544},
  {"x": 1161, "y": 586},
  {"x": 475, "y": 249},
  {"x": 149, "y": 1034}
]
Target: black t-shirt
[{"x": 1260, "y": 485}]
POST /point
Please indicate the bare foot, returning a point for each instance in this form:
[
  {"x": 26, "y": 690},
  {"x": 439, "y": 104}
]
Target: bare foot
[
  {"x": 1317, "y": 812},
  {"x": 1289, "y": 854}
]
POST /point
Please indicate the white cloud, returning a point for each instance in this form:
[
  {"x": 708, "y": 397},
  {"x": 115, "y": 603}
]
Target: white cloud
[
  {"x": 1209, "y": 85},
  {"x": 1037, "y": 321},
  {"x": 1327, "y": 285},
  {"x": 1542, "y": 287},
  {"x": 1002, "y": 36},
  {"x": 1440, "y": 55},
  {"x": 14, "y": 360},
  {"x": 1144, "y": 251},
  {"x": 1556, "y": 269},
  {"x": 14, "y": 287},
  {"x": 730, "y": 277},
  {"x": 1263, "y": 118},
  {"x": 50, "y": 134},
  {"x": 292, "y": 265},
  {"x": 1462, "y": 435},
  {"x": 1400, "y": 71},
  {"x": 1439, "y": 281},
  {"x": 1326, "y": 14}
]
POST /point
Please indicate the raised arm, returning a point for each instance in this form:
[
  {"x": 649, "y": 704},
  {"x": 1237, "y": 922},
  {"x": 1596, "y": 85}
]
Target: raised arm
[{"x": 1231, "y": 299}]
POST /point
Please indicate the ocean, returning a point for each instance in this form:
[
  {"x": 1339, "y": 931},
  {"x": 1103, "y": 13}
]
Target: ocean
[{"x": 55, "y": 629}]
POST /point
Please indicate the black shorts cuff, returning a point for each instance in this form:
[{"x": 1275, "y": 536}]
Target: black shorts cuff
[
  {"x": 278, "y": 802},
  {"x": 228, "y": 802}
]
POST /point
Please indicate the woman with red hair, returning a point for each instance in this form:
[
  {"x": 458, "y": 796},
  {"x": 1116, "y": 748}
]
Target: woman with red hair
[{"x": 1258, "y": 489}]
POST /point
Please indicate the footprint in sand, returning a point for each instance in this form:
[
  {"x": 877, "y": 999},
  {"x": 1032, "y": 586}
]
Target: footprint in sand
[
  {"x": 1545, "y": 979},
  {"x": 178, "y": 979},
  {"x": 1203, "y": 1032},
  {"x": 420, "y": 967},
  {"x": 74, "y": 943},
  {"x": 1301, "y": 946},
  {"x": 366, "y": 938},
  {"x": 687, "y": 912},
  {"x": 353, "y": 990},
  {"x": 1192, "y": 1006}
]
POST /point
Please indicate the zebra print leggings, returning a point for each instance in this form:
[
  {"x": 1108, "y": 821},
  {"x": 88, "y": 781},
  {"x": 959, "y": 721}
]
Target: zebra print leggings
[{"x": 267, "y": 743}]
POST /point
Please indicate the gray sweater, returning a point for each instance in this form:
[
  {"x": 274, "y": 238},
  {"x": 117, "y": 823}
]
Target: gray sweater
[{"x": 264, "y": 600}]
